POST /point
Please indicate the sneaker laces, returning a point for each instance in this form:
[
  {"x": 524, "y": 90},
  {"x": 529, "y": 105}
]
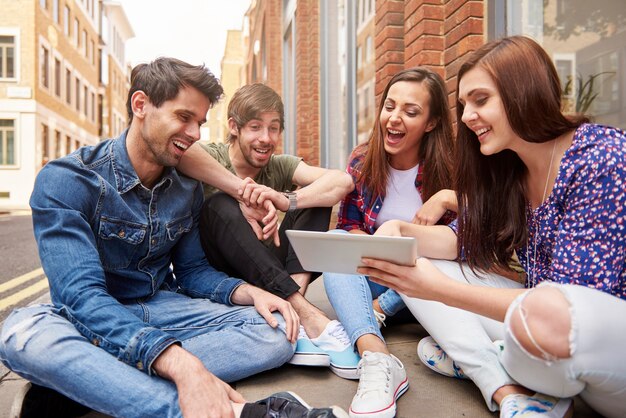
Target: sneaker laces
[
  {"x": 380, "y": 318},
  {"x": 339, "y": 332},
  {"x": 375, "y": 374},
  {"x": 302, "y": 333}
]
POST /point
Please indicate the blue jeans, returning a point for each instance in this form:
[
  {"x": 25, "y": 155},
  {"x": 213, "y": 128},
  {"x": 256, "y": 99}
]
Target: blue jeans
[
  {"x": 41, "y": 345},
  {"x": 351, "y": 296}
]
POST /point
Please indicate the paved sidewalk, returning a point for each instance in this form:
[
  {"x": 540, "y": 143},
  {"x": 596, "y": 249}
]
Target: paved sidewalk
[{"x": 429, "y": 394}]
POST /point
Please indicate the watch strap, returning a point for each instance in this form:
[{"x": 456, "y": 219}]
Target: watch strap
[{"x": 293, "y": 201}]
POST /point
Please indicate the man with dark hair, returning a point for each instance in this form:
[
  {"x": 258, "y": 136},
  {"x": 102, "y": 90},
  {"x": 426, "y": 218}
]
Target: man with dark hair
[
  {"x": 304, "y": 193},
  {"x": 141, "y": 325}
]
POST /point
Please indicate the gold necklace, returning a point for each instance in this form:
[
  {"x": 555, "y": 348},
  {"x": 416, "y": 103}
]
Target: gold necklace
[{"x": 533, "y": 273}]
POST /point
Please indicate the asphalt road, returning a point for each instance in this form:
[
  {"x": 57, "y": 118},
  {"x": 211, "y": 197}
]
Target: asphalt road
[{"x": 21, "y": 278}]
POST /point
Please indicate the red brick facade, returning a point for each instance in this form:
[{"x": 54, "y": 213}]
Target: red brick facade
[
  {"x": 433, "y": 33},
  {"x": 308, "y": 80}
]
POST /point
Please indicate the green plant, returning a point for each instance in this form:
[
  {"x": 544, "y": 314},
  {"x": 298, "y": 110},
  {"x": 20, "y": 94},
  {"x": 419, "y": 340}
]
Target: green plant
[{"x": 585, "y": 90}]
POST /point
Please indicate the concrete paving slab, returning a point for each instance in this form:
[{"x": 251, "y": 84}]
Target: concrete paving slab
[{"x": 429, "y": 394}]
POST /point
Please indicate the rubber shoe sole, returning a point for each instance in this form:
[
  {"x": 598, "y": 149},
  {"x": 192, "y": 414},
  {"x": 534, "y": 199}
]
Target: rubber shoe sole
[
  {"x": 350, "y": 373},
  {"x": 308, "y": 354},
  {"x": 388, "y": 412},
  {"x": 310, "y": 359}
]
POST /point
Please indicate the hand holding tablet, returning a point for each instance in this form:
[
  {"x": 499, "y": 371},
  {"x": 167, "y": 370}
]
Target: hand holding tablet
[{"x": 342, "y": 252}]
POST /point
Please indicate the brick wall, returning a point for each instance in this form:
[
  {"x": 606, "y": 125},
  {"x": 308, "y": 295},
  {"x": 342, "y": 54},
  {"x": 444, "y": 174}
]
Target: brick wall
[
  {"x": 307, "y": 52},
  {"x": 389, "y": 41},
  {"x": 434, "y": 33}
]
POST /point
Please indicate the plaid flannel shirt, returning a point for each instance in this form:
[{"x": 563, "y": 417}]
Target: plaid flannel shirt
[{"x": 360, "y": 208}]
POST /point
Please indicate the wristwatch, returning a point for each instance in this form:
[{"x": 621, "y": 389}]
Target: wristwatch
[{"x": 293, "y": 201}]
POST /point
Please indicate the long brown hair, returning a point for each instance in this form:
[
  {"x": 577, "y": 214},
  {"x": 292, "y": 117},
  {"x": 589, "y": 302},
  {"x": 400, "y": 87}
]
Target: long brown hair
[
  {"x": 490, "y": 189},
  {"x": 435, "y": 149}
]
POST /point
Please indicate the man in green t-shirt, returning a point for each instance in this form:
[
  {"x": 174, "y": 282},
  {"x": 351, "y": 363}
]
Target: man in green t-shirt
[{"x": 304, "y": 193}]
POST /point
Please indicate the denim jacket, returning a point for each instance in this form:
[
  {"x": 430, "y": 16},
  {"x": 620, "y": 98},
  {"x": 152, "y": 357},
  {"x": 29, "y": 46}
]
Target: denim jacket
[{"x": 105, "y": 239}]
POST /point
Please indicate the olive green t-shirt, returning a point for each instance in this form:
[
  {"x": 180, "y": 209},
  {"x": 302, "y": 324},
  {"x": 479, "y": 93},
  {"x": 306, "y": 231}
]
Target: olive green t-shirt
[{"x": 277, "y": 174}]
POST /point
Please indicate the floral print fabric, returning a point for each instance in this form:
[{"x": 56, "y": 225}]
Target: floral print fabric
[{"x": 578, "y": 235}]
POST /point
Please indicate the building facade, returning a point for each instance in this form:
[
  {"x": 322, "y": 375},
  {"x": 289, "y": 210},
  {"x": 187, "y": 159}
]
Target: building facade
[
  {"x": 231, "y": 79},
  {"x": 50, "y": 87},
  {"x": 115, "y": 30},
  {"x": 332, "y": 59}
]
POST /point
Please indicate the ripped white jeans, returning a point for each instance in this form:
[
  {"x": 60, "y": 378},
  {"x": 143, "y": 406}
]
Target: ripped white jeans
[{"x": 596, "y": 368}]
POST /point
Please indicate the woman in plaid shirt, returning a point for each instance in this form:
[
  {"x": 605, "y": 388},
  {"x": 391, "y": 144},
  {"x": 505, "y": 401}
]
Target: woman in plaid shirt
[{"x": 405, "y": 162}]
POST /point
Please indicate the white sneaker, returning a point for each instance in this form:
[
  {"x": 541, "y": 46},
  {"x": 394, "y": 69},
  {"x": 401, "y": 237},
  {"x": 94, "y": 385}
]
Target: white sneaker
[
  {"x": 382, "y": 381},
  {"x": 380, "y": 318},
  {"x": 335, "y": 342},
  {"x": 433, "y": 357},
  {"x": 535, "y": 406}
]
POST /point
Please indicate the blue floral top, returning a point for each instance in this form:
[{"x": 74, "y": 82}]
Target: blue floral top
[{"x": 580, "y": 230}]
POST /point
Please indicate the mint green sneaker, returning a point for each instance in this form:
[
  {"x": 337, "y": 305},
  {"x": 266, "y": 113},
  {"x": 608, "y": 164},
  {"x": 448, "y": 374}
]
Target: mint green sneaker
[
  {"x": 307, "y": 353},
  {"x": 334, "y": 340}
]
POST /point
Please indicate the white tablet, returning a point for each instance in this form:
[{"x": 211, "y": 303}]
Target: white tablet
[{"x": 342, "y": 253}]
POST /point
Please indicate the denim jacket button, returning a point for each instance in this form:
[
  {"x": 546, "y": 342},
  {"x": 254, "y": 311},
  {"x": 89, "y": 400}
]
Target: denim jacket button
[
  {"x": 121, "y": 234},
  {"x": 95, "y": 342},
  {"x": 140, "y": 365}
]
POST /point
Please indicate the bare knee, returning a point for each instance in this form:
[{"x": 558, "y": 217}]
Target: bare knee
[{"x": 542, "y": 323}]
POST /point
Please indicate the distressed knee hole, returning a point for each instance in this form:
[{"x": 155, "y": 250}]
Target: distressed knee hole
[{"x": 541, "y": 322}]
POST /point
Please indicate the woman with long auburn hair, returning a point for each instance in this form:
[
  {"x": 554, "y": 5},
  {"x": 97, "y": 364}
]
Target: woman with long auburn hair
[
  {"x": 407, "y": 160},
  {"x": 552, "y": 188}
]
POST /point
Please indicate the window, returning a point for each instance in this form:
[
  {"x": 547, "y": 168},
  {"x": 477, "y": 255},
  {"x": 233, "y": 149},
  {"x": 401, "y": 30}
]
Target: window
[
  {"x": 57, "y": 144},
  {"x": 7, "y": 142},
  {"x": 369, "y": 50},
  {"x": 366, "y": 104},
  {"x": 76, "y": 31},
  {"x": 587, "y": 48},
  {"x": 83, "y": 44},
  {"x": 45, "y": 67},
  {"x": 93, "y": 107},
  {"x": 86, "y": 101},
  {"x": 92, "y": 54},
  {"x": 68, "y": 86},
  {"x": 77, "y": 92},
  {"x": 7, "y": 56},
  {"x": 55, "y": 11},
  {"x": 57, "y": 77},
  {"x": 66, "y": 21},
  {"x": 68, "y": 144},
  {"x": 43, "y": 4},
  {"x": 45, "y": 151}
]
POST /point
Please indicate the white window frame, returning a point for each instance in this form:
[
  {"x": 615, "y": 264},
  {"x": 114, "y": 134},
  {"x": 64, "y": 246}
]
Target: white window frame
[
  {"x": 17, "y": 143},
  {"x": 15, "y": 32}
]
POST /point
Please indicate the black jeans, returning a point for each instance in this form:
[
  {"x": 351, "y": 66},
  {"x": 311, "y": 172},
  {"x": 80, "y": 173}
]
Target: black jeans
[{"x": 231, "y": 246}]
